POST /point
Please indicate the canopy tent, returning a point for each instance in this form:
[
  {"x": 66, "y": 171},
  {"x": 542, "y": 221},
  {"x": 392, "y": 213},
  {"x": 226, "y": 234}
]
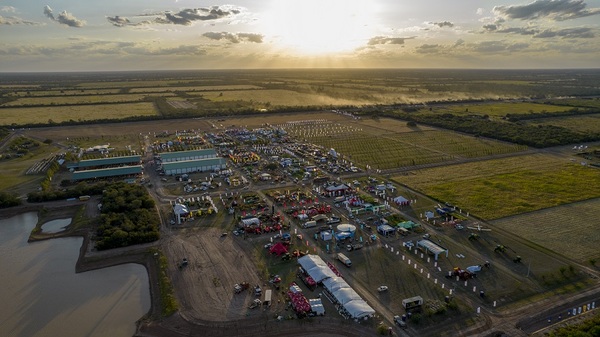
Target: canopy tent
[
  {"x": 315, "y": 267},
  {"x": 316, "y": 306},
  {"x": 407, "y": 224},
  {"x": 359, "y": 309},
  {"x": 400, "y": 200},
  {"x": 385, "y": 230},
  {"x": 343, "y": 235},
  {"x": 278, "y": 249},
  {"x": 345, "y": 227},
  {"x": 319, "y": 217},
  {"x": 352, "y": 303}
]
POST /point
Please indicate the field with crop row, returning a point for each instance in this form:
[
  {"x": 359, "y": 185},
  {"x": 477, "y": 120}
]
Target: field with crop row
[
  {"x": 75, "y": 100},
  {"x": 387, "y": 124},
  {"x": 76, "y": 112},
  {"x": 582, "y": 123},
  {"x": 497, "y": 109},
  {"x": 571, "y": 230},
  {"x": 502, "y": 187},
  {"x": 277, "y": 97},
  {"x": 65, "y": 92},
  {"x": 586, "y": 103},
  {"x": 196, "y": 88},
  {"x": 386, "y": 149}
]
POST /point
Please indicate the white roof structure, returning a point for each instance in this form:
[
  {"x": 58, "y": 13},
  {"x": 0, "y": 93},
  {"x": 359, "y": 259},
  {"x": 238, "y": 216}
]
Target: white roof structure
[
  {"x": 315, "y": 267},
  {"x": 251, "y": 221},
  {"x": 181, "y": 209},
  {"x": 432, "y": 247},
  {"x": 348, "y": 298}
]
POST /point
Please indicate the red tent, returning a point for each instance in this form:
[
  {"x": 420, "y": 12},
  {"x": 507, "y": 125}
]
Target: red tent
[{"x": 278, "y": 249}]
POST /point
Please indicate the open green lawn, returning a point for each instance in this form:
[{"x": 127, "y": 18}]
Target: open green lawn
[
  {"x": 571, "y": 230},
  {"x": 498, "y": 188},
  {"x": 22, "y": 116}
]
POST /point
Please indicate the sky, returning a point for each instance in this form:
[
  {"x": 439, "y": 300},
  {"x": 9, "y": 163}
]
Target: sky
[{"x": 115, "y": 35}]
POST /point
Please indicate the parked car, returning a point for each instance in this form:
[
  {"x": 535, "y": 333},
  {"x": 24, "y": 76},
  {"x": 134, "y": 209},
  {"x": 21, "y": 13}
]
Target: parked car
[
  {"x": 399, "y": 322},
  {"x": 382, "y": 288}
]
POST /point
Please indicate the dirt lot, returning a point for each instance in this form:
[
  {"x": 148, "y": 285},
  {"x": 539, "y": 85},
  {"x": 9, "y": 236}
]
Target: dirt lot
[{"x": 215, "y": 264}]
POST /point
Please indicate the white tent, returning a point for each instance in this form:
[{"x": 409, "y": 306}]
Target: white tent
[
  {"x": 251, "y": 221},
  {"x": 315, "y": 267},
  {"x": 316, "y": 306},
  {"x": 359, "y": 309}
]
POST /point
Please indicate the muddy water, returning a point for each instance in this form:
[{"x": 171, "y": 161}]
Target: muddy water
[
  {"x": 40, "y": 294},
  {"x": 55, "y": 226}
]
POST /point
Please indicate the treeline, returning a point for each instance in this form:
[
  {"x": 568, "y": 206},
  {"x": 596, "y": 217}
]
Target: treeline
[
  {"x": 539, "y": 136},
  {"x": 82, "y": 188},
  {"x": 128, "y": 217},
  {"x": 512, "y": 117},
  {"x": 8, "y": 200}
]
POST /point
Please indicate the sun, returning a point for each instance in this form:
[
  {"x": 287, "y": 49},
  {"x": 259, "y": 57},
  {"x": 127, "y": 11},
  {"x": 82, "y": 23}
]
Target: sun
[{"x": 320, "y": 26}]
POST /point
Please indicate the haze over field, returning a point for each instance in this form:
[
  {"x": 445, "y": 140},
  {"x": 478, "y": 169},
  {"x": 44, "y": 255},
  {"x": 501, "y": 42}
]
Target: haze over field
[{"x": 184, "y": 34}]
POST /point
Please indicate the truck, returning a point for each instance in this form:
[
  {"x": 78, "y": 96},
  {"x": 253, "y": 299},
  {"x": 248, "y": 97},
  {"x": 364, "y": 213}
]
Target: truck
[
  {"x": 339, "y": 199},
  {"x": 333, "y": 220},
  {"x": 355, "y": 246},
  {"x": 309, "y": 224},
  {"x": 344, "y": 259}
]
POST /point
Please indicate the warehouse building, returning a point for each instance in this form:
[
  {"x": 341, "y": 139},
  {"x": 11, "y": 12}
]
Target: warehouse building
[
  {"x": 190, "y": 166},
  {"x": 168, "y": 157},
  {"x": 105, "y": 162},
  {"x": 113, "y": 172}
]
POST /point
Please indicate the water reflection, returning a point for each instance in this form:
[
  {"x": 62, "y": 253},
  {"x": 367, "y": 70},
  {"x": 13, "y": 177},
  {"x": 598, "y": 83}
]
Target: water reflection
[{"x": 41, "y": 295}]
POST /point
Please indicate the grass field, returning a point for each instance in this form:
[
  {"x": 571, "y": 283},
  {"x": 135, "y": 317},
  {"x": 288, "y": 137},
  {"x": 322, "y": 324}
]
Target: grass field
[
  {"x": 81, "y": 99},
  {"x": 385, "y": 149},
  {"x": 585, "y": 103},
  {"x": 190, "y": 89},
  {"x": 13, "y": 170},
  {"x": 571, "y": 230},
  {"x": 65, "y": 92},
  {"x": 497, "y": 109},
  {"x": 76, "y": 113},
  {"x": 502, "y": 187},
  {"x": 583, "y": 123},
  {"x": 278, "y": 97}
]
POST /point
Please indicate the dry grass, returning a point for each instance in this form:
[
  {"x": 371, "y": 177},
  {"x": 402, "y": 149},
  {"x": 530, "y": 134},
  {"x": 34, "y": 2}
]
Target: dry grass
[
  {"x": 191, "y": 89},
  {"x": 571, "y": 230},
  {"x": 278, "y": 97},
  {"x": 498, "y": 109},
  {"x": 582, "y": 123},
  {"x": 498, "y": 188},
  {"x": 22, "y": 116},
  {"x": 80, "y": 99}
]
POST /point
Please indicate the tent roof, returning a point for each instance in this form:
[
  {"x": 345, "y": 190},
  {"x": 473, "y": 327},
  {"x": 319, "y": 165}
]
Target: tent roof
[
  {"x": 315, "y": 267},
  {"x": 278, "y": 249},
  {"x": 180, "y": 209},
  {"x": 359, "y": 309}
]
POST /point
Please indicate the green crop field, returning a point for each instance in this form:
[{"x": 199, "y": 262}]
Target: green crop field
[
  {"x": 387, "y": 150},
  {"x": 65, "y": 92},
  {"x": 27, "y": 115},
  {"x": 75, "y": 100},
  {"x": 277, "y": 97},
  {"x": 196, "y": 88},
  {"x": 498, "y": 188},
  {"x": 571, "y": 230},
  {"x": 497, "y": 109},
  {"x": 584, "y": 103},
  {"x": 582, "y": 123}
]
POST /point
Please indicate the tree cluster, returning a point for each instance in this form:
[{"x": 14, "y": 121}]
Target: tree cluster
[
  {"x": 8, "y": 200},
  {"x": 128, "y": 217},
  {"x": 539, "y": 136},
  {"x": 82, "y": 188}
]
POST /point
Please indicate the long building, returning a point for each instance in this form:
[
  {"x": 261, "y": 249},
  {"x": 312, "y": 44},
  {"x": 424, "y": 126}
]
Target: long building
[
  {"x": 113, "y": 172},
  {"x": 106, "y": 162},
  {"x": 167, "y": 157},
  {"x": 190, "y": 166}
]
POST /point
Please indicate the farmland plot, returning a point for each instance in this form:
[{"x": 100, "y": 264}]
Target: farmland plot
[
  {"x": 498, "y": 109},
  {"x": 581, "y": 123},
  {"x": 80, "y": 99},
  {"x": 384, "y": 149},
  {"x": 277, "y": 97},
  {"x": 196, "y": 88},
  {"x": 571, "y": 230},
  {"x": 76, "y": 112},
  {"x": 497, "y": 188}
]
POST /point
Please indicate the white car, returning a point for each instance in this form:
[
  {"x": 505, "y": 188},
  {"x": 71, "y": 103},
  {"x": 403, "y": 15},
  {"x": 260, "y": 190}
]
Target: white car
[{"x": 382, "y": 288}]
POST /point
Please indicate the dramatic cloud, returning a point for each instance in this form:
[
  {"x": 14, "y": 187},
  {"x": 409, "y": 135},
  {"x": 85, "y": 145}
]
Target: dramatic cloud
[
  {"x": 490, "y": 27},
  {"x": 558, "y": 10},
  {"x": 13, "y": 21},
  {"x": 64, "y": 18},
  {"x": 184, "y": 17},
  {"x": 387, "y": 40},
  {"x": 568, "y": 33},
  {"x": 233, "y": 37},
  {"x": 498, "y": 47},
  {"x": 518, "y": 31},
  {"x": 442, "y": 24},
  {"x": 428, "y": 49},
  {"x": 8, "y": 9}
]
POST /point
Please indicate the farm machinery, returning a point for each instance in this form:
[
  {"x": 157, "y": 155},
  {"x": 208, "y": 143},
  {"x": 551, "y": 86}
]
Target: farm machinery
[
  {"x": 239, "y": 287},
  {"x": 461, "y": 273}
]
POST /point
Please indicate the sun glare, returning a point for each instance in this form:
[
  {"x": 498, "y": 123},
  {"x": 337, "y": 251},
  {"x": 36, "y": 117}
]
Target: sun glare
[{"x": 320, "y": 26}]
